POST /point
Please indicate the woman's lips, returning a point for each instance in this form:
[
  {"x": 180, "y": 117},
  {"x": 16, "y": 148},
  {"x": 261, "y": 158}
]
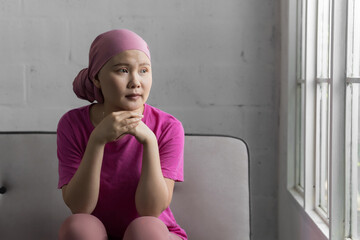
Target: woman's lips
[{"x": 133, "y": 96}]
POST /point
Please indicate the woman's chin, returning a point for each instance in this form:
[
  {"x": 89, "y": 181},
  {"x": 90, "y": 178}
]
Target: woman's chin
[
  {"x": 131, "y": 107},
  {"x": 126, "y": 106}
]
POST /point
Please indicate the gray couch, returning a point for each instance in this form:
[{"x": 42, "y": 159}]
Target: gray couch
[{"x": 212, "y": 203}]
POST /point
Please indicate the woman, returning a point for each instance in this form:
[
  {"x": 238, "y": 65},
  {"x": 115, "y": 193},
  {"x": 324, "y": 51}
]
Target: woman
[{"x": 119, "y": 157}]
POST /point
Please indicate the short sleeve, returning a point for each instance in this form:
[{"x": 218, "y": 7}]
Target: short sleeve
[
  {"x": 171, "y": 151},
  {"x": 68, "y": 151}
]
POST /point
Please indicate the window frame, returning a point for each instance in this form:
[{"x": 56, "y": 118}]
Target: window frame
[
  {"x": 351, "y": 191},
  {"x": 299, "y": 185},
  {"x": 351, "y": 167},
  {"x": 336, "y": 181}
]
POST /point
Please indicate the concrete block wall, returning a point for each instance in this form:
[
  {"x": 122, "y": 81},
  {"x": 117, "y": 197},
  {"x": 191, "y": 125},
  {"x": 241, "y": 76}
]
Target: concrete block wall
[{"x": 215, "y": 68}]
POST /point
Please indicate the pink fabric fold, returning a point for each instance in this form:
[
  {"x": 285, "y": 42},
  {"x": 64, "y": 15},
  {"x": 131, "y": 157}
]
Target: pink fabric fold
[{"x": 103, "y": 48}]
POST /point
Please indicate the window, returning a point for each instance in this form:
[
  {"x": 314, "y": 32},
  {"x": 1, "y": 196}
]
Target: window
[
  {"x": 353, "y": 122},
  {"x": 323, "y": 74},
  {"x": 323, "y": 84},
  {"x": 300, "y": 97}
]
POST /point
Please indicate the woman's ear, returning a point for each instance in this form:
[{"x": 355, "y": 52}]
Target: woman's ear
[{"x": 96, "y": 81}]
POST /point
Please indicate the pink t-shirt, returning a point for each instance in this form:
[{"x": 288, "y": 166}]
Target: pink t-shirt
[{"x": 121, "y": 167}]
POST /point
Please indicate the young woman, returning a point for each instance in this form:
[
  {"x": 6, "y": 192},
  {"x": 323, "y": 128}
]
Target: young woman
[{"x": 119, "y": 157}]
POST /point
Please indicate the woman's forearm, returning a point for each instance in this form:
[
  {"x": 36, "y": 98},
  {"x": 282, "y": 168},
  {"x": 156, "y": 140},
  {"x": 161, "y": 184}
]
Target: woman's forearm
[
  {"x": 152, "y": 193},
  {"x": 81, "y": 193}
]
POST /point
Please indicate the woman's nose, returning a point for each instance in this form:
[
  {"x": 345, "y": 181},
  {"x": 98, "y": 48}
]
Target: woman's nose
[{"x": 134, "y": 81}]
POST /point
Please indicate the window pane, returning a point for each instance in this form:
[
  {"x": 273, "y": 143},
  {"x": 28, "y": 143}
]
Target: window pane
[
  {"x": 353, "y": 44},
  {"x": 300, "y": 130},
  {"x": 356, "y": 147},
  {"x": 298, "y": 40},
  {"x": 353, "y": 160},
  {"x": 353, "y": 122},
  {"x": 324, "y": 39},
  {"x": 322, "y": 147},
  {"x": 323, "y": 74},
  {"x": 300, "y": 31},
  {"x": 300, "y": 96}
]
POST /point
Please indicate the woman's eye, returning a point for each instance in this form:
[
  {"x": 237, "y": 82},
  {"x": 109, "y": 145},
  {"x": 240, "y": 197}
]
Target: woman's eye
[
  {"x": 144, "y": 70},
  {"x": 122, "y": 70}
]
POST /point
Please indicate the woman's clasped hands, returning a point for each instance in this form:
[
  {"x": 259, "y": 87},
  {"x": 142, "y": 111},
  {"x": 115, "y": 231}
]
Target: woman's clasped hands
[{"x": 117, "y": 124}]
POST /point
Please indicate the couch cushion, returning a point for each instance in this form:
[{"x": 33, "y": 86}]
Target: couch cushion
[
  {"x": 212, "y": 203},
  {"x": 32, "y": 207}
]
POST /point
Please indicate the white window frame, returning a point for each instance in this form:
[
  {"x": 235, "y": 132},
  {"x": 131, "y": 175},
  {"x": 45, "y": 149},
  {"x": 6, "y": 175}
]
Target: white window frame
[
  {"x": 331, "y": 230},
  {"x": 352, "y": 131},
  {"x": 299, "y": 180},
  {"x": 351, "y": 181},
  {"x": 322, "y": 147}
]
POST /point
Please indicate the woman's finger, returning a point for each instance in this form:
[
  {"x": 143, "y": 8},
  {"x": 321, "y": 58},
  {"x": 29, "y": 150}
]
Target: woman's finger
[
  {"x": 118, "y": 124},
  {"x": 127, "y": 118},
  {"x": 128, "y": 114},
  {"x": 129, "y": 127},
  {"x": 131, "y": 120},
  {"x": 127, "y": 122}
]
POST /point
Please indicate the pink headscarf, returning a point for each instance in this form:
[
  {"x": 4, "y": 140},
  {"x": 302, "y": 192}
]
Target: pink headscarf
[{"x": 104, "y": 47}]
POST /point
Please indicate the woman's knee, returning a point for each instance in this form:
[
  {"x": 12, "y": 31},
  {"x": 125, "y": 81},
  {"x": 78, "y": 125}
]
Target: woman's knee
[
  {"x": 146, "y": 228},
  {"x": 82, "y": 227}
]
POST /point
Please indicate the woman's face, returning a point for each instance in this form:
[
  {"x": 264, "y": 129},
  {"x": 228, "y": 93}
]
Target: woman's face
[{"x": 125, "y": 81}]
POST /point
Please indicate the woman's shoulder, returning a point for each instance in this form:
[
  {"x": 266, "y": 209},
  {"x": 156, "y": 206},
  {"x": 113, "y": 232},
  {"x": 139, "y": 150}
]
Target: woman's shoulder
[
  {"x": 74, "y": 116},
  {"x": 161, "y": 116},
  {"x": 162, "y": 122}
]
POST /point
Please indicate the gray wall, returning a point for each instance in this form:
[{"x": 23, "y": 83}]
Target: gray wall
[{"x": 215, "y": 67}]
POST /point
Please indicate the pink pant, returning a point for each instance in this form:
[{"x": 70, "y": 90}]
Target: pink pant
[{"x": 88, "y": 227}]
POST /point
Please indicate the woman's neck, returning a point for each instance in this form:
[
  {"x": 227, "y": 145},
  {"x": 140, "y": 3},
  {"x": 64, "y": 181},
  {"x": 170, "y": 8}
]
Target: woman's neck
[
  {"x": 106, "y": 110},
  {"x": 99, "y": 111}
]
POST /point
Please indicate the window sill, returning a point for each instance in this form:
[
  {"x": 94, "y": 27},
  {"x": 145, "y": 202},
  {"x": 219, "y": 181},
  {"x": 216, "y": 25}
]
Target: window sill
[
  {"x": 319, "y": 222},
  {"x": 311, "y": 214},
  {"x": 297, "y": 196}
]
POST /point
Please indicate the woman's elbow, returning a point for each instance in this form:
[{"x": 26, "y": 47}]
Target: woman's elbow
[
  {"x": 150, "y": 211},
  {"x": 81, "y": 210},
  {"x": 76, "y": 208}
]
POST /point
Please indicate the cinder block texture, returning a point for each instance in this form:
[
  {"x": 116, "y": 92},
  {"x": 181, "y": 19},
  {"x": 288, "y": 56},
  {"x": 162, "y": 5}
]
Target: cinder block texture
[
  {"x": 215, "y": 67},
  {"x": 12, "y": 92}
]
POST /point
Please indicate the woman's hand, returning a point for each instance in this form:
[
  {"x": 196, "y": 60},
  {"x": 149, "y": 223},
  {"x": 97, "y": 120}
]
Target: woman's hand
[
  {"x": 142, "y": 133},
  {"x": 116, "y": 125}
]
